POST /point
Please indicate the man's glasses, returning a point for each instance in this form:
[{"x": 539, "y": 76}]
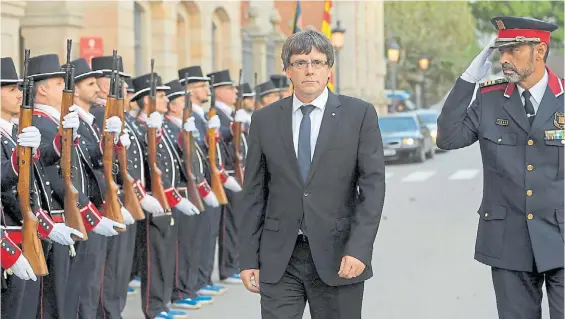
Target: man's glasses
[{"x": 302, "y": 64}]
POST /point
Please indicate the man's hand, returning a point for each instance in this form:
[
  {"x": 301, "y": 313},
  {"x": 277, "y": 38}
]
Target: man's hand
[
  {"x": 106, "y": 227},
  {"x": 214, "y": 122},
  {"x": 250, "y": 278},
  {"x": 351, "y": 267},
  {"x": 22, "y": 269},
  {"x": 61, "y": 234},
  {"x": 151, "y": 205},
  {"x": 155, "y": 120},
  {"x": 480, "y": 65}
]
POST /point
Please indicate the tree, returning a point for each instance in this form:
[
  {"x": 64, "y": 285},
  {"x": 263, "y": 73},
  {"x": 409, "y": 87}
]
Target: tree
[
  {"x": 551, "y": 11},
  {"x": 443, "y": 31}
]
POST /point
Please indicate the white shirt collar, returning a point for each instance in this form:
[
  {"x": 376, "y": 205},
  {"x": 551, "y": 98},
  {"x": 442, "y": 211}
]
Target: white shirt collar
[
  {"x": 85, "y": 116},
  {"x": 51, "y": 111},
  {"x": 319, "y": 102},
  {"x": 175, "y": 120},
  {"x": 538, "y": 90},
  {"x": 224, "y": 108},
  {"x": 6, "y": 126},
  {"x": 198, "y": 110}
]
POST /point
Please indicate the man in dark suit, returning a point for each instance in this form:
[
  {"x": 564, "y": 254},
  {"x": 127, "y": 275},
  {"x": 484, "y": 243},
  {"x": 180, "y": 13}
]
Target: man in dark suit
[
  {"x": 313, "y": 192},
  {"x": 519, "y": 123}
]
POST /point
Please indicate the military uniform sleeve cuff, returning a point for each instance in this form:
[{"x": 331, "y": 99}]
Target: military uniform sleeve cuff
[
  {"x": 139, "y": 190},
  {"x": 36, "y": 155},
  {"x": 224, "y": 176},
  {"x": 10, "y": 252},
  {"x": 173, "y": 197},
  {"x": 44, "y": 225},
  {"x": 90, "y": 216},
  {"x": 204, "y": 189}
]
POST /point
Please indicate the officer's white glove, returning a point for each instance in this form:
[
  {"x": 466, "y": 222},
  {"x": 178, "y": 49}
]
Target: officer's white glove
[
  {"x": 125, "y": 140},
  {"x": 232, "y": 185},
  {"x": 106, "y": 227},
  {"x": 155, "y": 120},
  {"x": 190, "y": 125},
  {"x": 30, "y": 137},
  {"x": 214, "y": 122},
  {"x": 128, "y": 219},
  {"x": 187, "y": 208},
  {"x": 71, "y": 120},
  {"x": 480, "y": 65},
  {"x": 241, "y": 116},
  {"x": 151, "y": 205},
  {"x": 22, "y": 269},
  {"x": 211, "y": 200},
  {"x": 113, "y": 125},
  {"x": 61, "y": 234}
]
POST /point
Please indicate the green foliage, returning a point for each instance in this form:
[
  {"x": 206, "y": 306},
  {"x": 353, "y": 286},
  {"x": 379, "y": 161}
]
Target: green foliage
[
  {"x": 551, "y": 11},
  {"x": 444, "y": 31}
]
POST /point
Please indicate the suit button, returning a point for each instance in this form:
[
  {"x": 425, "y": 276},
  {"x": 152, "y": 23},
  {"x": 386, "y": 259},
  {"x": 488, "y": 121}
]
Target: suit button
[
  {"x": 529, "y": 192},
  {"x": 499, "y": 140},
  {"x": 530, "y": 216},
  {"x": 306, "y": 194},
  {"x": 486, "y": 214},
  {"x": 530, "y": 167},
  {"x": 530, "y": 142}
]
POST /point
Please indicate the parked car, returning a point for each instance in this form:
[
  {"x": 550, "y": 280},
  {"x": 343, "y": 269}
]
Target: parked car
[
  {"x": 429, "y": 117},
  {"x": 405, "y": 136}
]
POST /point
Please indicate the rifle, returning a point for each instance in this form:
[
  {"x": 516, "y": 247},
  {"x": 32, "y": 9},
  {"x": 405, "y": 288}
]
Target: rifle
[
  {"x": 131, "y": 203},
  {"x": 31, "y": 244},
  {"x": 112, "y": 209},
  {"x": 238, "y": 170},
  {"x": 72, "y": 215},
  {"x": 192, "y": 189},
  {"x": 257, "y": 98},
  {"x": 217, "y": 186},
  {"x": 156, "y": 183}
]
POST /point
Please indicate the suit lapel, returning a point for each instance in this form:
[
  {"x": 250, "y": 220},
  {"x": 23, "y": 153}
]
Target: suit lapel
[
  {"x": 287, "y": 136},
  {"x": 514, "y": 107},
  {"x": 329, "y": 121}
]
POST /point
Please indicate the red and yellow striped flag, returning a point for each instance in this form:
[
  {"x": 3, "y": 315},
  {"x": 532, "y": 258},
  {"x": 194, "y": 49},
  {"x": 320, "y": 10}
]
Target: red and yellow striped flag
[{"x": 327, "y": 30}]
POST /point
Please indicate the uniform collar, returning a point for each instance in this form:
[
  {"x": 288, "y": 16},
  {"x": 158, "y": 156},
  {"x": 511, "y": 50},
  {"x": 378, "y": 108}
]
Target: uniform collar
[
  {"x": 538, "y": 90},
  {"x": 175, "y": 120},
  {"x": 554, "y": 83},
  {"x": 224, "y": 108},
  {"x": 84, "y": 115},
  {"x": 319, "y": 102},
  {"x": 198, "y": 110},
  {"x": 49, "y": 110},
  {"x": 6, "y": 126}
]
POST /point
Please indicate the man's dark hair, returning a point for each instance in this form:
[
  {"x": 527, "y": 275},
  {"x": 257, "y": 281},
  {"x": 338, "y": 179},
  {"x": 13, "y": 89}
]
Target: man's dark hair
[{"x": 303, "y": 42}]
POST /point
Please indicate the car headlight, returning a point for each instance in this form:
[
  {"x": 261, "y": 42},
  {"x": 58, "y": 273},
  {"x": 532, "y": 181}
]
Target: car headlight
[{"x": 408, "y": 141}]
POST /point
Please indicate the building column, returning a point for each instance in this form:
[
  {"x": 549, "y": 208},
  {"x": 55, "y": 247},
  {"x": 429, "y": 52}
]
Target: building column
[
  {"x": 278, "y": 39},
  {"x": 47, "y": 26},
  {"x": 379, "y": 59},
  {"x": 345, "y": 11},
  {"x": 163, "y": 33},
  {"x": 11, "y": 14},
  {"x": 259, "y": 44}
]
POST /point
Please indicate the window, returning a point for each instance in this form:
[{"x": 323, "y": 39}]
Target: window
[{"x": 247, "y": 57}]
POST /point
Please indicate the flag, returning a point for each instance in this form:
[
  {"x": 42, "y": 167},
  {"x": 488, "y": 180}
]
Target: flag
[
  {"x": 327, "y": 30},
  {"x": 297, "y": 25}
]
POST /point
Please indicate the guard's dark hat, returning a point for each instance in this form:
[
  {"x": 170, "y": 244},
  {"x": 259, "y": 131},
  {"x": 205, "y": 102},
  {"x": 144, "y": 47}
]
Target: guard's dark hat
[
  {"x": 245, "y": 90},
  {"x": 195, "y": 74},
  {"x": 45, "y": 66},
  {"x": 131, "y": 89},
  {"x": 266, "y": 88},
  {"x": 105, "y": 63},
  {"x": 175, "y": 90},
  {"x": 142, "y": 85},
  {"x": 83, "y": 70},
  {"x": 520, "y": 30},
  {"x": 221, "y": 78},
  {"x": 8, "y": 73},
  {"x": 280, "y": 81}
]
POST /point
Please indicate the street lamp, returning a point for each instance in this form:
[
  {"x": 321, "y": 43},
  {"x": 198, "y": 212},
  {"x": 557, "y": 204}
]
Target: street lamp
[
  {"x": 424, "y": 64},
  {"x": 393, "y": 55},
  {"x": 337, "y": 42}
]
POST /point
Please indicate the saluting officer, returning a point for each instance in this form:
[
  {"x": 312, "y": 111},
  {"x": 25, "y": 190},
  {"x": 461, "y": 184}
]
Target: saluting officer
[
  {"x": 267, "y": 93},
  {"x": 519, "y": 123}
]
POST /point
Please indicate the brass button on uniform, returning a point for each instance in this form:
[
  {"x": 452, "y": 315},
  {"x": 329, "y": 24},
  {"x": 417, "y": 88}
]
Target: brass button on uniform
[
  {"x": 486, "y": 214},
  {"x": 530, "y": 167},
  {"x": 529, "y": 192},
  {"x": 530, "y": 142},
  {"x": 499, "y": 140},
  {"x": 530, "y": 216}
]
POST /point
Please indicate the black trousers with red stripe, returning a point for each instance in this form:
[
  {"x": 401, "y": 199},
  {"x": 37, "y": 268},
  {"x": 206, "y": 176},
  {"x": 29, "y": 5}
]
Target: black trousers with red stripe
[
  {"x": 210, "y": 227},
  {"x": 228, "y": 243},
  {"x": 186, "y": 257}
]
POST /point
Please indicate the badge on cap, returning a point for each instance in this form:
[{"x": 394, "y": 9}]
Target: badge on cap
[
  {"x": 559, "y": 120},
  {"x": 500, "y": 25},
  {"x": 502, "y": 122}
]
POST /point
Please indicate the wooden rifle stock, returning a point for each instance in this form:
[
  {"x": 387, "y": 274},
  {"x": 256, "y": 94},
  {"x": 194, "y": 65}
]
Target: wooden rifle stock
[
  {"x": 217, "y": 186},
  {"x": 131, "y": 203},
  {"x": 192, "y": 189},
  {"x": 237, "y": 167},
  {"x": 31, "y": 244}
]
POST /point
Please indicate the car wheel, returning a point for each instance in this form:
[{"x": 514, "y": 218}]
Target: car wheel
[{"x": 420, "y": 155}]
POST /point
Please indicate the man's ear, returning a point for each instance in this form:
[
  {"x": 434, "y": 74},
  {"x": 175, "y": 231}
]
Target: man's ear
[{"x": 541, "y": 50}]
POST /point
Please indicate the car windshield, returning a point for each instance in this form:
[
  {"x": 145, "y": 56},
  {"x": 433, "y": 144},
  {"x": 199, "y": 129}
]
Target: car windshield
[
  {"x": 428, "y": 118},
  {"x": 397, "y": 124}
]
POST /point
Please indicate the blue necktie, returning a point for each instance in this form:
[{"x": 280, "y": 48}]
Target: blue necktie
[
  {"x": 304, "y": 148},
  {"x": 530, "y": 111}
]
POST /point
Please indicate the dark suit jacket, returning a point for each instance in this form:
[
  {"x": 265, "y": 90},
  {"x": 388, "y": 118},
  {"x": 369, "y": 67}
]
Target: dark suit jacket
[
  {"x": 516, "y": 158},
  {"x": 341, "y": 219}
]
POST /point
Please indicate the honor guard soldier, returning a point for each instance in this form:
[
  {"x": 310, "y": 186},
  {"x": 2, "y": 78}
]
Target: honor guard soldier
[
  {"x": 20, "y": 300},
  {"x": 282, "y": 83},
  {"x": 267, "y": 93},
  {"x": 248, "y": 106},
  {"x": 519, "y": 122}
]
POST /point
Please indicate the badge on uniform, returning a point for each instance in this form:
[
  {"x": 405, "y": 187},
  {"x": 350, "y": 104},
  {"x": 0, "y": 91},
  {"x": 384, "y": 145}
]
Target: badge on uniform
[
  {"x": 551, "y": 135},
  {"x": 559, "y": 120},
  {"x": 502, "y": 122}
]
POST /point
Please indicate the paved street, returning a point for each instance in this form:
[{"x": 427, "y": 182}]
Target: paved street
[{"x": 423, "y": 257}]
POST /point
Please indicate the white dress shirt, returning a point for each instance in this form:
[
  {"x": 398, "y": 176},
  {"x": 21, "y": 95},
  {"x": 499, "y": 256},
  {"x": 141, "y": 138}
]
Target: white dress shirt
[
  {"x": 225, "y": 109},
  {"x": 6, "y": 126},
  {"x": 537, "y": 91},
  {"x": 199, "y": 110},
  {"x": 315, "y": 119}
]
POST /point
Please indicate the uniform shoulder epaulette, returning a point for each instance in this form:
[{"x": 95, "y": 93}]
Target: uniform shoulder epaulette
[{"x": 493, "y": 82}]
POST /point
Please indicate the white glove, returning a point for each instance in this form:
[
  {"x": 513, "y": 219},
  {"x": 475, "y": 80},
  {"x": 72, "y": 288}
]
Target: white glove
[
  {"x": 125, "y": 140},
  {"x": 61, "y": 234},
  {"x": 71, "y": 120},
  {"x": 30, "y": 137},
  {"x": 211, "y": 200},
  {"x": 214, "y": 122},
  {"x": 151, "y": 205},
  {"x": 22, "y": 269},
  {"x": 187, "y": 208},
  {"x": 232, "y": 185},
  {"x": 480, "y": 65},
  {"x": 106, "y": 227},
  {"x": 241, "y": 116},
  {"x": 190, "y": 126},
  {"x": 113, "y": 125},
  {"x": 155, "y": 120},
  {"x": 128, "y": 219}
]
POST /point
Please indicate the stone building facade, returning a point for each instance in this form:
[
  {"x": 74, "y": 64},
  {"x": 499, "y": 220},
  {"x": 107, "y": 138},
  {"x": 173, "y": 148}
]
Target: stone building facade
[{"x": 214, "y": 34}]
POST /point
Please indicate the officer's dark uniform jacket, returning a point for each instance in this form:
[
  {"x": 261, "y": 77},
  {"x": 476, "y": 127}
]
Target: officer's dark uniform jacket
[
  {"x": 50, "y": 157},
  {"x": 521, "y": 214}
]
